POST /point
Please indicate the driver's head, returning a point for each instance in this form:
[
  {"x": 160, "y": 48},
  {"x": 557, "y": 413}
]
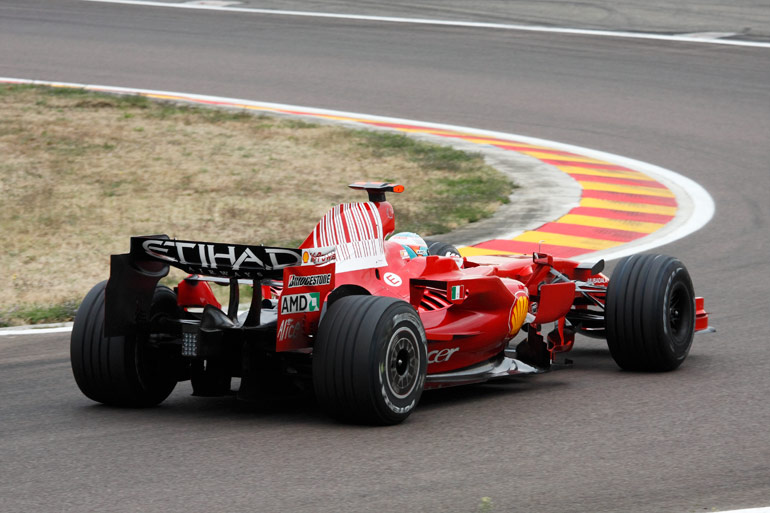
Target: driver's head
[{"x": 412, "y": 244}]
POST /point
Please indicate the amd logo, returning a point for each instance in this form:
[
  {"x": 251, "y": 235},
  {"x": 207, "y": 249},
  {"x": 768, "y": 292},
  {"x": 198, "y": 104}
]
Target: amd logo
[{"x": 297, "y": 303}]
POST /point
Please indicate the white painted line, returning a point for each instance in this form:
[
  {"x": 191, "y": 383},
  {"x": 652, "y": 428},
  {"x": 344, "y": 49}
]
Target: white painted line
[
  {"x": 752, "y": 510},
  {"x": 448, "y": 23},
  {"x": 36, "y": 329},
  {"x": 216, "y": 3},
  {"x": 709, "y": 35}
]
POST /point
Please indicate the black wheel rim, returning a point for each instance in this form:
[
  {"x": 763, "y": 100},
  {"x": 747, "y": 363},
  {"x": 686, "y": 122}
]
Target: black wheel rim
[
  {"x": 403, "y": 363},
  {"x": 680, "y": 313}
]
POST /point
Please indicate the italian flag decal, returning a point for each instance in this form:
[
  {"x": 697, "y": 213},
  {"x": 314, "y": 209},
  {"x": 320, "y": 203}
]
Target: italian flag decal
[{"x": 458, "y": 293}]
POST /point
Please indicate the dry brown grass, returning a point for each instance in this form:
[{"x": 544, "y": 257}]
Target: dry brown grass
[{"x": 80, "y": 173}]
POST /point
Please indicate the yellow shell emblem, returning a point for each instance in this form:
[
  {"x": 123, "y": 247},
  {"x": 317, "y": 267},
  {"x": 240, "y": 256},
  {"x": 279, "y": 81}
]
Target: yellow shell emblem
[{"x": 519, "y": 313}]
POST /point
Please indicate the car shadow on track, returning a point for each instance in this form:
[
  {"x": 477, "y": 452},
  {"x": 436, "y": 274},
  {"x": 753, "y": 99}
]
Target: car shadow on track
[
  {"x": 299, "y": 410},
  {"x": 480, "y": 392},
  {"x": 590, "y": 361}
]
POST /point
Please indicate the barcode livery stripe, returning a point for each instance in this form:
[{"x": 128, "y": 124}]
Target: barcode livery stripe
[{"x": 354, "y": 228}]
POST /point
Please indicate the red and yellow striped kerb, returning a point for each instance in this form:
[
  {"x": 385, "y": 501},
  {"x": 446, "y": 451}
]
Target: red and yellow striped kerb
[{"x": 617, "y": 205}]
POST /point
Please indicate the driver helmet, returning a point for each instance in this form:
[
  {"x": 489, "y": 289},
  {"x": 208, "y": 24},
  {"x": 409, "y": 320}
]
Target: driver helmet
[{"x": 411, "y": 243}]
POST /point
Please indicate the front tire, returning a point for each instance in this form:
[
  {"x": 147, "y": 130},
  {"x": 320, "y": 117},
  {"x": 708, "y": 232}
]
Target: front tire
[
  {"x": 125, "y": 370},
  {"x": 370, "y": 360},
  {"x": 650, "y": 313}
]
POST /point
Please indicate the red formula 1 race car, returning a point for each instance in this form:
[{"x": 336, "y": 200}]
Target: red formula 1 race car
[{"x": 370, "y": 322}]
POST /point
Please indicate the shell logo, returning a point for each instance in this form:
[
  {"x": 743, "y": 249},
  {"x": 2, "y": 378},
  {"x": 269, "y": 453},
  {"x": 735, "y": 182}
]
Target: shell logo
[
  {"x": 305, "y": 257},
  {"x": 518, "y": 313}
]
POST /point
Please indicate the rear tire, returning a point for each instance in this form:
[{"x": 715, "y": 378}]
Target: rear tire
[
  {"x": 370, "y": 360},
  {"x": 125, "y": 370},
  {"x": 650, "y": 313}
]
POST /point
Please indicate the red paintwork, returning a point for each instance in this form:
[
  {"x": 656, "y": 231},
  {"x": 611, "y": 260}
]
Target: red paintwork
[
  {"x": 460, "y": 332},
  {"x": 555, "y": 300},
  {"x": 195, "y": 294},
  {"x": 701, "y": 316},
  {"x": 469, "y": 327}
]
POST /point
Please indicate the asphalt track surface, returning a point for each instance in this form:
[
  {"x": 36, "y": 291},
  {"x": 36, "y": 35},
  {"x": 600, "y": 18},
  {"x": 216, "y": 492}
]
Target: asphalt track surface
[{"x": 589, "y": 439}]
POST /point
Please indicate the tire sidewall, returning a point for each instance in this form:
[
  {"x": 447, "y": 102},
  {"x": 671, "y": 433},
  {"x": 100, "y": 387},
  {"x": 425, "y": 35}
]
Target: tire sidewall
[
  {"x": 403, "y": 320},
  {"x": 677, "y": 345}
]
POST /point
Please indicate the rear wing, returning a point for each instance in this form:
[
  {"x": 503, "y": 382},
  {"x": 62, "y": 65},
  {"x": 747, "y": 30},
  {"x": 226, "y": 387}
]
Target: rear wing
[
  {"x": 134, "y": 275},
  {"x": 215, "y": 259}
]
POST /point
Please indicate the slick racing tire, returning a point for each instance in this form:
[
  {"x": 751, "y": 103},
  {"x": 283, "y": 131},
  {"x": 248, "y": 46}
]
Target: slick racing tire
[
  {"x": 120, "y": 371},
  {"x": 439, "y": 248},
  {"x": 370, "y": 360},
  {"x": 650, "y": 313}
]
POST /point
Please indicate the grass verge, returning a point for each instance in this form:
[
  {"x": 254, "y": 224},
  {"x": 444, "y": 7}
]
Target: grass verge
[{"x": 81, "y": 172}]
